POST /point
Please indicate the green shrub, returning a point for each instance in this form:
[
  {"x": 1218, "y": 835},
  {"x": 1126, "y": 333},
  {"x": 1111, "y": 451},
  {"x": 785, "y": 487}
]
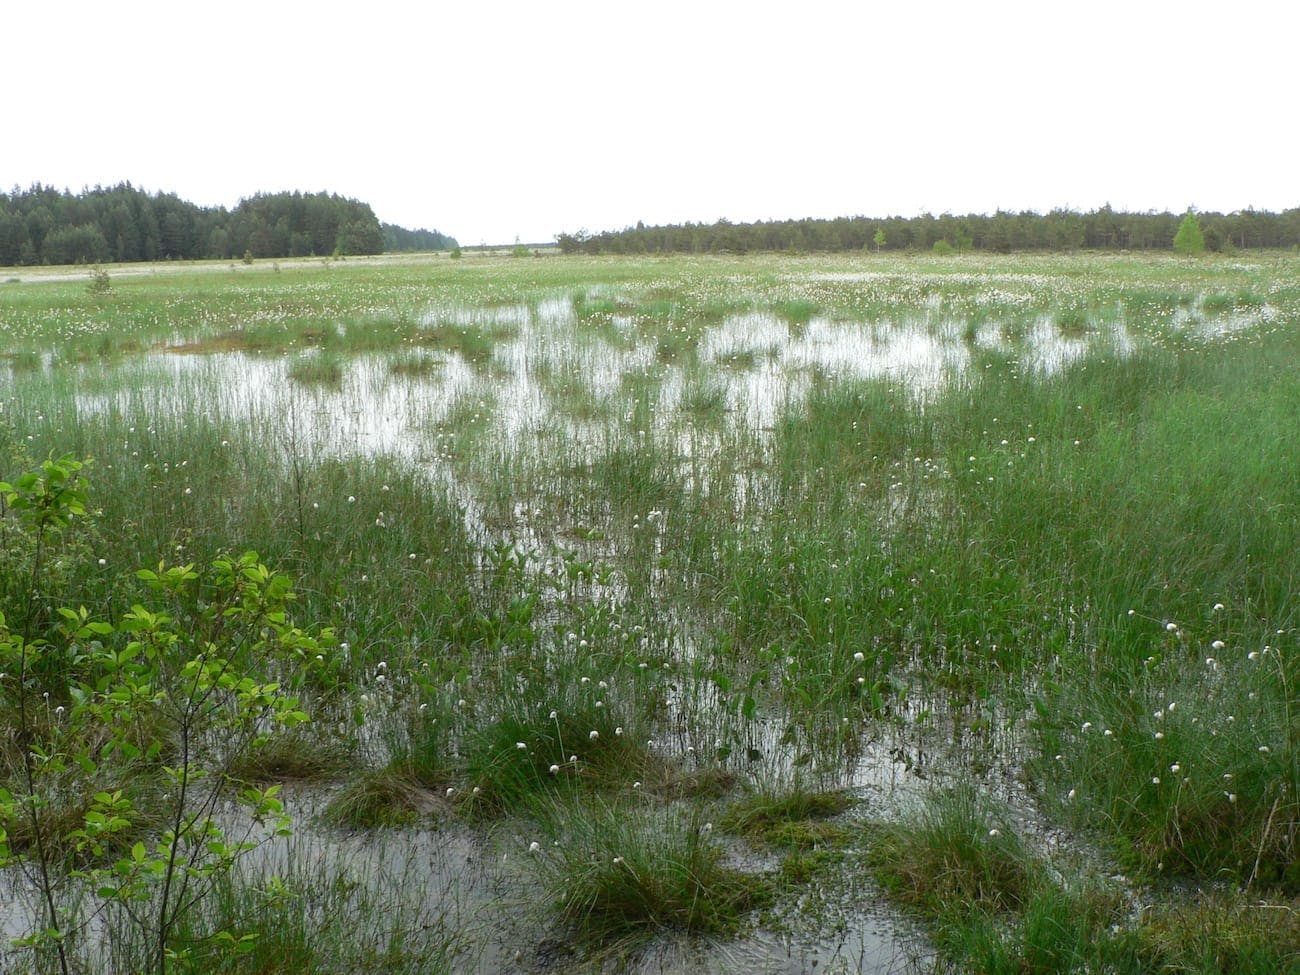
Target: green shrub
[
  {"x": 99, "y": 282},
  {"x": 126, "y": 743}
]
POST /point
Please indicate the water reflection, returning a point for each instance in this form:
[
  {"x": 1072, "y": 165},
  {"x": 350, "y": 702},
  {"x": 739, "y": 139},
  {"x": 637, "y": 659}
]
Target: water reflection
[{"x": 542, "y": 364}]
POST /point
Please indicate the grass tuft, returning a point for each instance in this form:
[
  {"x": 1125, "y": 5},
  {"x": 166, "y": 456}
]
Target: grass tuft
[
  {"x": 619, "y": 875},
  {"x": 956, "y": 848},
  {"x": 1223, "y": 933},
  {"x": 385, "y": 797},
  {"x": 318, "y": 369},
  {"x": 580, "y": 747},
  {"x": 293, "y": 756},
  {"x": 793, "y": 820}
]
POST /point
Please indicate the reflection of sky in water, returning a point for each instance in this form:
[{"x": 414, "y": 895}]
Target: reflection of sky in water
[
  {"x": 784, "y": 357},
  {"x": 1046, "y": 349},
  {"x": 372, "y": 412},
  {"x": 1209, "y": 327},
  {"x": 549, "y": 375},
  {"x": 905, "y": 353}
]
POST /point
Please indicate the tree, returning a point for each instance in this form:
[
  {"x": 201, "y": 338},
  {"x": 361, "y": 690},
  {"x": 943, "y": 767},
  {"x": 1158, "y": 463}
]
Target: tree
[
  {"x": 360, "y": 236},
  {"x": 107, "y": 715},
  {"x": 879, "y": 238},
  {"x": 1189, "y": 240},
  {"x": 573, "y": 243},
  {"x": 399, "y": 239},
  {"x": 83, "y": 244}
]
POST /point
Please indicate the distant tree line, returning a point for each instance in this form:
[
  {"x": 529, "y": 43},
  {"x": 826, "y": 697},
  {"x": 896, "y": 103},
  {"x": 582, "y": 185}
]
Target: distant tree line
[
  {"x": 42, "y": 225},
  {"x": 400, "y": 239},
  {"x": 1002, "y": 232}
]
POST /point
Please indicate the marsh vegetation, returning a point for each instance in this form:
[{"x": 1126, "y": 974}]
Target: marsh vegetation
[{"x": 678, "y": 613}]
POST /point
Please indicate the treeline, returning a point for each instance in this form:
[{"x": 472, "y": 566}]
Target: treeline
[
  {"x": 43, "y": 225},
  {"x": 1003, "y": 232},
  {"x": 400, "y": 239}
]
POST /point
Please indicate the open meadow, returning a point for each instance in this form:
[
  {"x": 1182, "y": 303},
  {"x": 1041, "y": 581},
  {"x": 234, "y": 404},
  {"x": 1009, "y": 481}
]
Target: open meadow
[{"x": 849, "y": 613}]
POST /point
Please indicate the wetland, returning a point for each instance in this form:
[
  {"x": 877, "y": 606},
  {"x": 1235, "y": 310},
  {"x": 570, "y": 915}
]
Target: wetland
[{"x": 866, "y": 613}]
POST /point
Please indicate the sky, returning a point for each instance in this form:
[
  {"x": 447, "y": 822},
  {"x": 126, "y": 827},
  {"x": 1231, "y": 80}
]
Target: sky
[{"x": 504, "y": 120}]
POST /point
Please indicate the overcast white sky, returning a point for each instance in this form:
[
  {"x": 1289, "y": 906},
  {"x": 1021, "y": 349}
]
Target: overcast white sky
[{"x": 491, "y": 121}]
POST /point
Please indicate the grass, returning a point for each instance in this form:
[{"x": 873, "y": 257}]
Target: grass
[
  {"x": 321, "y": 369},
  {"x": 993, "y": 904},
  {"x": 475, "y": 345},
  {"x": 1218, "y": 932},
  {"x": 317, "y": 914},
  {"x": 528, "y": 754},
  {"x": 617, "y": 876},
  {"x": 786, "y": 509},
  {"x": 1056, "y": 930},
  {"x": 957, "y": 851},
  {"x": 294, "y": 756},
  {"x": 1161, "y": 764},
  {"x": 391, "y": 796},
  {"x": 416, "y": 366},
  {"x": 793, "y": 819},
  {"x": 797, "y": 311}
]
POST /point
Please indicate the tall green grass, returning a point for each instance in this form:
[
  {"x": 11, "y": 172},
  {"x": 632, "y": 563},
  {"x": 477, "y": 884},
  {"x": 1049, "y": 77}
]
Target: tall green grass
[{"x": 1016, "y": 540}]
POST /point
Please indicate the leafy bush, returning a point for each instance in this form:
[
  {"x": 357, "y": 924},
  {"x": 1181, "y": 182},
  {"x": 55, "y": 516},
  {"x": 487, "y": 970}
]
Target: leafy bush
[{"x": 163, "y": 700}]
